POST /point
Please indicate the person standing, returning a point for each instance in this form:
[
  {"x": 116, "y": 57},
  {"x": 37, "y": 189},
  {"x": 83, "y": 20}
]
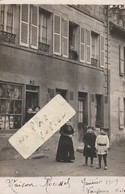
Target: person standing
[
  {"x": 65, "y": 151},
  {"x": 102, "y": 146},
  {"x": 89, "y": 146}
]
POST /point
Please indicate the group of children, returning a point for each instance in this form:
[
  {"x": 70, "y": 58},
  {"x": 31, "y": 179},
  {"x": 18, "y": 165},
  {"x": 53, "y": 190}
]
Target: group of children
[{"x": 96, "y": 147}]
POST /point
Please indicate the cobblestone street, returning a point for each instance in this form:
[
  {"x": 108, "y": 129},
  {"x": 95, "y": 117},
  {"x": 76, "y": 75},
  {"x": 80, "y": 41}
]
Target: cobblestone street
[{"x": 48, "y": 166}]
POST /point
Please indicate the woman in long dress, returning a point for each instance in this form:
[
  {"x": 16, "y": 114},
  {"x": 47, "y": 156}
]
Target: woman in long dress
[{"x": 65, "y": 151}]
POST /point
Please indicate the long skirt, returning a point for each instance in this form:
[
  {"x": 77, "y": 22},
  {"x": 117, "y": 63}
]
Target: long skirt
[{"x": 65, "y": 151}]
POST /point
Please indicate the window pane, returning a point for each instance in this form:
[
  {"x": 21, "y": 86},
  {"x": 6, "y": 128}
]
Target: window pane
[
  {"x": 18, "y": 107},
  {"x": 25, "y": 12},
  {"x": 44, "y": 21},
  {"x": 11, "y": 111},
  {"x": 17, "y": 122},
  {"x": 24, "y": 30},
  {"x": 34, "y": 15},
  {"x": 11, "y": 119},
  {"x": 64, "y": 27},
  {"x": 2, "y": 122},
  {"x": 57, "y": 24},
  {"x": 88, "y": 37},
  {"x": 9, "y": 26},
  {"x": 57, "y": 43},
  {"x": 82, "y": 35},
  {"x": 17, "y": 92},
  {"x": 2, "y": 90},
  {"x": 10, "y": 90}
]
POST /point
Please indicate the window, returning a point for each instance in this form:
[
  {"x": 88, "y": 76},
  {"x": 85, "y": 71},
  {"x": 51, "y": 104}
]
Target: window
[
  {"x": 94, "y": 45},
  {"x": 7, "y": 18},
  {"x": 88, "y": 46},
  {"x": 34, "y": 27},
  {"x": 122, "y": 60},
  {"x": 82, "y": 44},
  {"x": 121, "y": 112},
  {"x": 10, "y": 106},
  {"x": 43, "y": 28},
  {"x": 60, "y": 36},
  {"x": 94, "y": 48},
  {"x": 29, "y": 25},
  {"x": 57, "y": 35},
  {"x": 102, "y": 51},
  {"x": 72, "y": 41}
]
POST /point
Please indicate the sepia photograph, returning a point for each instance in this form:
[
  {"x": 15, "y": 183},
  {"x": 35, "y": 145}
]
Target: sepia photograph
[{"x": 62, "y": 91}]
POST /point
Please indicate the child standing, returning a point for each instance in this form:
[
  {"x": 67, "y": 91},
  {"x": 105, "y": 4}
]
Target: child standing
[
  {"x": 89, "y": 146},
  {"x": 102, "y": 146}
]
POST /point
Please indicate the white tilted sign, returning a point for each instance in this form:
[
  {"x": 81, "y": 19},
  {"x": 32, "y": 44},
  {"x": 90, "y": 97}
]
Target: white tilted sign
[{"x": 42, "y": 126}]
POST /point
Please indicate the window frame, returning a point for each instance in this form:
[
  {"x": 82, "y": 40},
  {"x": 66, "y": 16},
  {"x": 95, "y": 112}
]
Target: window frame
[
  {"x": 82, "y": 44},
  {"x": 88, "y": 46},
  {"x": 102, "y": 51},
  {"x": 65, "y": 37},
  {"x": 32, "y": 25},
  {"x": 54, "y": 33},
  {"x": 41, "y": 16},
  {"x": 5, "y": 16},
  {"x": 21, "y": 43}
]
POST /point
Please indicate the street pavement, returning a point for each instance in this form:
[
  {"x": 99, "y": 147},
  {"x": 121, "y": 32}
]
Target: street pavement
[{"x": 47, "y": 166}]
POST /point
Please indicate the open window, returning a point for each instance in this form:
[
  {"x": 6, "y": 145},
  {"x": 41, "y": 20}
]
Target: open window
[
  {"x": 44, "y": 29},
  {"x": 7, "y": 18},
  {"x": 121, "y": 60},
  {"x": 94, "y": 48},
  {"x": 72, "y": 41}
]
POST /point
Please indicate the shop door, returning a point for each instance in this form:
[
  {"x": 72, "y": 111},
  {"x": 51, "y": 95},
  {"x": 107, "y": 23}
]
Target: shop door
[
  {"x": 32, "y": 100},
  {"x": 82, "y": 114},
  {"x": 99, "y": 111}
]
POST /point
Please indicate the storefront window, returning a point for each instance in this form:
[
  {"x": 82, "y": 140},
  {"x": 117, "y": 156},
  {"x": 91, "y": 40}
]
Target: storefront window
[{"x": 10, "y": 106}]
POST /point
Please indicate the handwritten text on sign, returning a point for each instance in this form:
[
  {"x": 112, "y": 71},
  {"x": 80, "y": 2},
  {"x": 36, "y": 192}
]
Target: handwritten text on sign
[
  {"x": 42, "y": 126},
  {"x": 67, "y": 185}
]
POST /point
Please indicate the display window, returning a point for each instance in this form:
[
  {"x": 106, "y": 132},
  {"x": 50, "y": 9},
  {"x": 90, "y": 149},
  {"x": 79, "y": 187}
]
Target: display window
[{"x": 10, "y": 106}]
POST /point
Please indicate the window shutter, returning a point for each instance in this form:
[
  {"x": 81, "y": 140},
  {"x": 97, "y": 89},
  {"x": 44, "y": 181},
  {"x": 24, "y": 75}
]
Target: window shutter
[
  {"x": 88, "y": 46},
  {"x": 65, "y": 37},
  {"x": 121, "y": 60},
  {"x": 24, "y": 25},
  {"x": 106, "y": 112},
  {"x": 34, "y": 26},
  {"x": 102, "y": 51},
  {"x": 57, "y": 35},
  {"x": 92, "y": 110},
  {"x": 51, "y": 93},
  {"x": 82, "y": 44},
  {"x": 71, "y": 95},
  {"x": 121, "y": 113}
]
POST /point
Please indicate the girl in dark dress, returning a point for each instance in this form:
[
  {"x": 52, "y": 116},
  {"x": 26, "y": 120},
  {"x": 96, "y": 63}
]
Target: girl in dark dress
[
  {"x": 65, "y": 151},
  {"x": 89, "y": 146}
]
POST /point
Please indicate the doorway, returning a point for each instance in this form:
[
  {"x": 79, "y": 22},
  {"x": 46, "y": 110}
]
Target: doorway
[
  {"x": 32, "y": 100},
  {"x": 82, "y": 114},
  {"x": 99, "y": 111}
]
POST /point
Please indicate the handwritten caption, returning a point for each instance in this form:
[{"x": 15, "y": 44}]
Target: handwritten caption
[
  {"x": 86, "y": 185},
  {"x": 42, "y": 126}
]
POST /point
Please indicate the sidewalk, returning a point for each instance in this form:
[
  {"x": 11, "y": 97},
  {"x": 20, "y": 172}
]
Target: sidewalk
[{"x": 47, "y": 166}]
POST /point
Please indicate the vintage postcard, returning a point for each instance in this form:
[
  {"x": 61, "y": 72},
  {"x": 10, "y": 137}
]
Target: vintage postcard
[{"x": 62, "y": 97}]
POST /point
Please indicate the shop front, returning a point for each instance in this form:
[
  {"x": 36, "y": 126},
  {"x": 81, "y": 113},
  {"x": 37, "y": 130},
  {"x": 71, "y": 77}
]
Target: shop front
[{"x": 15, "y": 100}]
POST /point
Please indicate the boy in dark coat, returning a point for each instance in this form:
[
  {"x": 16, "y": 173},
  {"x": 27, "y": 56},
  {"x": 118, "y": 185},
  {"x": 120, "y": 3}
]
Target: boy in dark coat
[{"x": 89, "y": 146}]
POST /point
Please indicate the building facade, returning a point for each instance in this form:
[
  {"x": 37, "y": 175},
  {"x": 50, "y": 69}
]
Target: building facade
[
  {"x": 117, "y": 71},
  {"x": 54, "y": 49}
]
